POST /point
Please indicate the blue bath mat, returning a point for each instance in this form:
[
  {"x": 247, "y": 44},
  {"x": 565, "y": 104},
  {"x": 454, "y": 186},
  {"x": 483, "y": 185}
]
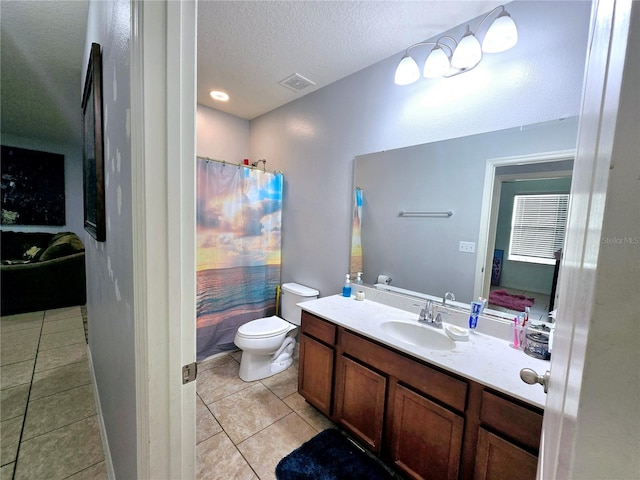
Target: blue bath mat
[{"x": 330, "y": 456}]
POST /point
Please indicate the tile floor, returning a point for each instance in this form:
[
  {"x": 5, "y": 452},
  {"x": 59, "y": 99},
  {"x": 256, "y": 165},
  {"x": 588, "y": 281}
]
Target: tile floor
[
  {"x": 49, "y": 426},
  {"x": 539, "y": 309},
  {"x": 245, "y": 428}
]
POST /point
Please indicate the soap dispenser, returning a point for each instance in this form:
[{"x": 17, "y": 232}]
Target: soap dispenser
[
  {"x": 358, "y": 280},
  {"x": 346, "y": 290}
]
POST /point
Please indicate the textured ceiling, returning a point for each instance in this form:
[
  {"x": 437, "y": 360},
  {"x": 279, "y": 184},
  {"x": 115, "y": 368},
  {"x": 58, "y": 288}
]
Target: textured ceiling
[
  {"x": 41, "y": 68},
  {"x": 244, "y": 48}
]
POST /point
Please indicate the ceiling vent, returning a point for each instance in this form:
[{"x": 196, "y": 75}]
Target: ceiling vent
[{"x": 296, "y": 82}]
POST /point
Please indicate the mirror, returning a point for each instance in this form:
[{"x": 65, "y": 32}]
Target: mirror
[{"x": 424, "y": 253}]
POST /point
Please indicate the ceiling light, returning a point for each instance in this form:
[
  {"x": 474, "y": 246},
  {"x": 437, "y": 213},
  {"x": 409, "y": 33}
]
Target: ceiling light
[
  {"x": 219, "y": 95},
  {"x": 460, "y": 56}
]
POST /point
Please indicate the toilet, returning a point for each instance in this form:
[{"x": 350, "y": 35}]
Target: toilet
[{"x": 267, "y": 343}]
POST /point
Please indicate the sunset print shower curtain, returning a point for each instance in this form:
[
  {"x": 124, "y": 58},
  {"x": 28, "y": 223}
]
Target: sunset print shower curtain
[{"x": 239, "y": 212}]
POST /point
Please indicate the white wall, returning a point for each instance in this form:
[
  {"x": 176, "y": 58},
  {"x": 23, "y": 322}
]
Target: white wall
[
  {"x": 313, "y": 140},
  {"x": 221, "y": 136},
  {"x": 73, "y": 177},
  {"x": 109, "y": 264}
]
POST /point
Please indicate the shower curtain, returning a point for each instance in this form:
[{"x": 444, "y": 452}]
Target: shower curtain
[
  {"x": 238, "y": 250},
  {"x": 356, "y": 239}
]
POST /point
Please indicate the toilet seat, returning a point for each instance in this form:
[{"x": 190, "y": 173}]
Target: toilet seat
[{"x": 264, "y": 327}]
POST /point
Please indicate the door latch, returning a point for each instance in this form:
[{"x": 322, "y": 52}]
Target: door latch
[{"x": 189, "y": 372}]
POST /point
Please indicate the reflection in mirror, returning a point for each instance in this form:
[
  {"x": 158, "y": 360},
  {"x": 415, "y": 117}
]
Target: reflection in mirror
[{"x": 425, "y": 253}]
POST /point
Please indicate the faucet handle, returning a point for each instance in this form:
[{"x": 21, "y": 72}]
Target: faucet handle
[{"x": 430, "y": 306}]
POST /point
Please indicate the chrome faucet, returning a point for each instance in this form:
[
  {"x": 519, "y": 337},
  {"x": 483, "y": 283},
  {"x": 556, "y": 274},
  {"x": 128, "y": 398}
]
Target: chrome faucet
[
  {"x": 448, "y": 296},
  {"x": 429, "y": 315}
]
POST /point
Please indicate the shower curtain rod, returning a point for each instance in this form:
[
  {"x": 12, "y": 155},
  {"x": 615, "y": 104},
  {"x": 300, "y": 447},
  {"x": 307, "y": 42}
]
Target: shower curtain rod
[{"x": 224, "y": 162}]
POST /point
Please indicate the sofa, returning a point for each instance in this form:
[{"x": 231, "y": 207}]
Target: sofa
[{"x": 41, "y": 271}]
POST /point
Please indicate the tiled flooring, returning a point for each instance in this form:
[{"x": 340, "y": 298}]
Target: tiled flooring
[
  {"x": 49, "y": 426},
  {"x": 539, "y": 309},
  {"x": 245, "y": 428}
]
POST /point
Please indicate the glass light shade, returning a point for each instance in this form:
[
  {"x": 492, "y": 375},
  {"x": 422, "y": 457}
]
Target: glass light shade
[
  {"x": 437, "y": 63},
  {"x": 407, "y": 71},
  {"x": 501, "y": 36},
  {"x": 468, "y": 53}
]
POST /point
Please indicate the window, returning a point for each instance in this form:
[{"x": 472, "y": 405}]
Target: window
[{"x": 538, "y": 227}]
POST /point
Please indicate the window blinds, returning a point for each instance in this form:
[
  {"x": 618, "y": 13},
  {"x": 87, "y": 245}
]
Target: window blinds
[{"x": 538, "y": 227}]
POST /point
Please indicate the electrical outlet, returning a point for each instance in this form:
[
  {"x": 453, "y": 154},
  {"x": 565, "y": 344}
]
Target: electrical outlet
[{"x": 467, "y": 247}]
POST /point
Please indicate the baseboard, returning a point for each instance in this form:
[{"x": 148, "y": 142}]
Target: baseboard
[{"x": 103, "y": 431}]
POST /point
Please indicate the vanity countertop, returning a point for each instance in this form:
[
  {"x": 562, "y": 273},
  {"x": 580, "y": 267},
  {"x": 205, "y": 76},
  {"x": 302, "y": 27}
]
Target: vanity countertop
[{"x": 484, "y": 359}]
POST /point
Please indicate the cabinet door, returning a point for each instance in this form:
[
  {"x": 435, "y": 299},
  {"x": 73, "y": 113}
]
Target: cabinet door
[
  {"x": 315, "y": 375},
  {"x": 498, "y": 459},
  {"x": 360, "y": 394},
  {"x": 426, "y": 439}
]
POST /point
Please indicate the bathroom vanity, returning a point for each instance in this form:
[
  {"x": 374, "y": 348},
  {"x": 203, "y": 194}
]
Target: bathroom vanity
[{"x": 438, "y": 412}]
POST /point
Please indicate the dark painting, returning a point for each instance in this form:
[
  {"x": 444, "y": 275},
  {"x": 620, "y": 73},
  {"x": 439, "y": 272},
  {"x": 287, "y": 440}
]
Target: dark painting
[{"x": 32, "y": 187}]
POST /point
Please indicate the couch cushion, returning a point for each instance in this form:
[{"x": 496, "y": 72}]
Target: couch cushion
[
  {"x": 61, "y": 245},
  {"x": 13, "y": 245},
  {"x": 33, "y": 253}
]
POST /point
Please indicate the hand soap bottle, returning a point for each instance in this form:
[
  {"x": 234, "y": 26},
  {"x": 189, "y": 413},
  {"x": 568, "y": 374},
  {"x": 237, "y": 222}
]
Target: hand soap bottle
[
  {"x": 358, "y": 280},
  {"x": 346, "y": 290}
]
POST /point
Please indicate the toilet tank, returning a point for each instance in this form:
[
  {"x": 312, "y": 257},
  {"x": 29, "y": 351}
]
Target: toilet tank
[{"x": 291, "y": 294}]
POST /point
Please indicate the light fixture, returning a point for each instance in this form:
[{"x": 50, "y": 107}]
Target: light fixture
[
  {"x": 502, "y": 34},
  {"x": 407, "y": 71},
  {"x": 468, "y": 53},
  {"x": 219, "y": 95},
  {"x": 460, "y": 56},
  {"x": 437, "y": 63}
]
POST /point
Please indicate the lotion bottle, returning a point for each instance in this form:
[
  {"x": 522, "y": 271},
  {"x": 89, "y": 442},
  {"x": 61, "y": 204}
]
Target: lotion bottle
[{"x": 346, "y": 290}]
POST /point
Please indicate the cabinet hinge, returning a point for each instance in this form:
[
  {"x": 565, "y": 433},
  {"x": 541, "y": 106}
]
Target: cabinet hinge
[{"x": 189, "y": 372}]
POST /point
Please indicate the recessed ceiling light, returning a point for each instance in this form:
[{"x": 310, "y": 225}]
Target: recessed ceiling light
[{"x": 219, "y": 95}]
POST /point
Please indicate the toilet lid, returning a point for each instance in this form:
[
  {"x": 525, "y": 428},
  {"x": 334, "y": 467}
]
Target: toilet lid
[{"x": 264, "y": 327}]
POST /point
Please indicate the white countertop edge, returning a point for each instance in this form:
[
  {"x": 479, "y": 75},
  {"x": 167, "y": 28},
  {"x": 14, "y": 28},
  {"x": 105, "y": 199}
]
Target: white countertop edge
[{"x": 484, "y": 358}]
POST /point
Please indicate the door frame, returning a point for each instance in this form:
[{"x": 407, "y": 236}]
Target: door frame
[
  {"x": 604, "y": 69},
  {"x": 163, "y": 136},
  {"x": 491, "y": 204}
]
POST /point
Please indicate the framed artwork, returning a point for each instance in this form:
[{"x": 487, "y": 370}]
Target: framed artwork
[
  {"x": 32, "y": 187},
  {"x": 93, "y": 150}
]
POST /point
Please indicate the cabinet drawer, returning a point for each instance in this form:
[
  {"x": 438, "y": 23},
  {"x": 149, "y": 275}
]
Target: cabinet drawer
[
  {"x": 427, "y": 380},
  {"x": 514, "y": 421},
  {"x": 318, "y": 328}
]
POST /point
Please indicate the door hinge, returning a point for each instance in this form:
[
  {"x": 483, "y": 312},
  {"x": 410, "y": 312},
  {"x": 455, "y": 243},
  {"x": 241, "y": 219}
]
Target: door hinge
[{"x": 189, "y": 372}]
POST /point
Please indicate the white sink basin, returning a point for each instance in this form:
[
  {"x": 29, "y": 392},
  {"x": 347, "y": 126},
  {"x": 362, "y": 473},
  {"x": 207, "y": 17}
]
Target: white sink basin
[{"x": 418, "y": 335}]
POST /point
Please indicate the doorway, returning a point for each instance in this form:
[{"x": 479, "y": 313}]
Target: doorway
[{"x": 504, "y": 177}]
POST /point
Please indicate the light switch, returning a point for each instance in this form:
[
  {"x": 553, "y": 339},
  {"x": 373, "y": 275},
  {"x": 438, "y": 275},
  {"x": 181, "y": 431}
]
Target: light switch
[{"x": 468, "y": 247}]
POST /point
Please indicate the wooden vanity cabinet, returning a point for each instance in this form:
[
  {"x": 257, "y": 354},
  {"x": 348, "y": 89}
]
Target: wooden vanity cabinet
[
  {"x": 426, "y": 422},
  {"x": 425, "y": 438},
  {"x": 360, "y": 401},
  {"x": 508, "y": 439},
  {"x": 316, "y": 361},
  {"x": 399, "y": 407}
]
